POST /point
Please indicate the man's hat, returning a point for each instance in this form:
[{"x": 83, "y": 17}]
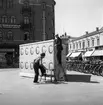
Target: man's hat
[
  {"x": 42, "y": 54},
  {"x": 56, "y": 35}
]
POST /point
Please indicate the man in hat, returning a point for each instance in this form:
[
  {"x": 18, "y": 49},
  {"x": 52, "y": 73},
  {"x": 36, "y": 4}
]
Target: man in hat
[
  {"x": 38, "y": 65},
  {"x": 59, "y": 47}
]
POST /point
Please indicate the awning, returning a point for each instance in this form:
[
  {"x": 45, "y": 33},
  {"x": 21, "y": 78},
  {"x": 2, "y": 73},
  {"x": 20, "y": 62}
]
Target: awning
[
  {"x": 98, "y": 53},
  {"x": 76, "y": 54},
  {"x": 88, "y": 54},
  {"x": 68, "y": 54}
]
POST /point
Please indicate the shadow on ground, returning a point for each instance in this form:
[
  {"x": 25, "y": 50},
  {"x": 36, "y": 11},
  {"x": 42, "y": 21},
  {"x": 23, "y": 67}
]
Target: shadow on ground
[
  {"x": 73, "y": 78},
  {"x": 79, "y": 78},
  {"x": 70, "y": 78}
]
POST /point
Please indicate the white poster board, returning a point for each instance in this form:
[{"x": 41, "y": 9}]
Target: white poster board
[{"x": 28, "y": 52}]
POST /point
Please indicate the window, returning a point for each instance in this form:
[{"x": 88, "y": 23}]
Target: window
[
  {"x": 4, "y": 19},
  {"x": 9, "y": 35},
  {"x": 49, "y": 14},
  {"x": 1, "y": 36},
  {"x": 83, "y": 44},
  {"x": 92, "y": 42},
  {"x": 88, "y": 43},
  {"x": 80, "y": 45},
  {"x": 0, "y": 20},
  {"x": 98, "y": 41},
  {"x": 4, "y": 3},
  {"x": 1, "y": 3},
  {"x": 26, "y": 36},
  {"x": 52, "y": 22},
  {"x": 76, "y": 45},
  {"x": 52, "y": 9},
  {"x": 43, "y": 5},
  {"x": 73, "y": 45},
  {"x": 13, "y": 19},
  {"x": 9, "y": 3},
  {"x": 26, "y": 20},
  {"x": 70, "y": 47}
]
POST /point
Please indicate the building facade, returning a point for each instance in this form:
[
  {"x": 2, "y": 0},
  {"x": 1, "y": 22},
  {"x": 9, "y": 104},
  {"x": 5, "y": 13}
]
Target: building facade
[
  {"x": 88, "y": 42},
  {"x": 24, "y": 21},
  {"x": 38, "y": 15}
]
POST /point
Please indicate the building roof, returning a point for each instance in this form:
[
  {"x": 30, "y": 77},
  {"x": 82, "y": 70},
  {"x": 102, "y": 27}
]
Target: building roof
[
  {"x": 101, "y": 30},
  {"x": 89, "y": 34}
]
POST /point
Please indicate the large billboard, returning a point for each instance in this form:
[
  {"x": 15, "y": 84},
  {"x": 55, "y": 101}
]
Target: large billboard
[{"x": 29, "y": 52}]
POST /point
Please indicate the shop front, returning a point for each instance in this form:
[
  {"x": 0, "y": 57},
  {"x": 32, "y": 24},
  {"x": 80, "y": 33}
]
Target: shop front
[
  {"x": 76, "y": 56},
  {"x": 6, "y": 57},
  {"x": 68, "y": 56},
  {"x": 88, "y": 55},
  {"x": 98, "y": 55}
]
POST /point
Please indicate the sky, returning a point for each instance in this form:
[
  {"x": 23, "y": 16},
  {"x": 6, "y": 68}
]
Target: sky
[{"x": 75, "y": 17}]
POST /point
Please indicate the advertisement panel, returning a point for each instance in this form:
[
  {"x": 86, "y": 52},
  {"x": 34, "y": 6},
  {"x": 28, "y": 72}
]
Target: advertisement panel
[{"x": 29, "y": 52}]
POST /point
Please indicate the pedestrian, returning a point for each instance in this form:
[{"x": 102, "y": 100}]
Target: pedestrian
[
  {"x": 59, "y": 47},
  {"x": 39, "y": 65}
]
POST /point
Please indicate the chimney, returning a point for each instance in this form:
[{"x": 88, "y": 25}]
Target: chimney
[
  {"x": 97, "y": 29},
  {"x": 86, "y": 32},
  {"x": 65, "y": 34}
]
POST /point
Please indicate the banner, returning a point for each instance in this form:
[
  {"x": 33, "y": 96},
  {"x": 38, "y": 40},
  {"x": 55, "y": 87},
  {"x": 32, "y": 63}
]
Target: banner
[{"x": 9, "y": 26}]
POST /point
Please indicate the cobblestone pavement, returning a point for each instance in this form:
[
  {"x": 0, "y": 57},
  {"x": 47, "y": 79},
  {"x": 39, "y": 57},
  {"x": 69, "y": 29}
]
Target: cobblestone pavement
[{"x": 80, "y": 89}]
